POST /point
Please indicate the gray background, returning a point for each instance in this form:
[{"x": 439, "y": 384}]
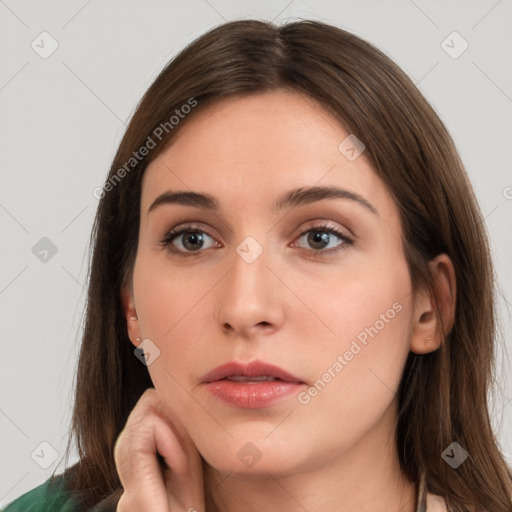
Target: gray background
[{"x": 63, "y": 116}]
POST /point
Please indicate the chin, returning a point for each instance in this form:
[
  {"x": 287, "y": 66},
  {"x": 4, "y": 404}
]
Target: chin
[{"x": 253, "y": 457}]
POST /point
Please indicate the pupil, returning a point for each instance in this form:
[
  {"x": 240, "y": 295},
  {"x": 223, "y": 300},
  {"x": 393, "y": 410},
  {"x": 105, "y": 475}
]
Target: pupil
[
  {"x": 192, "y": 238},
  {"x": 319, "y": 237}
]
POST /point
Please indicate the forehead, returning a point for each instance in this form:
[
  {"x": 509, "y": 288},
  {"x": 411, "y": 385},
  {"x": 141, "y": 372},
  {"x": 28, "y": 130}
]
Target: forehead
[{"x": 250, "y": 149}]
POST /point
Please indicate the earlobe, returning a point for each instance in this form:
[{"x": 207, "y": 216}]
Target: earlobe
[
  {"x": 130, "y": 314},
  {"x": 431, "y": 327}
]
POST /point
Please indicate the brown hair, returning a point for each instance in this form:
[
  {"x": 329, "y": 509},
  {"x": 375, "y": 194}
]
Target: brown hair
[{"x": 443, "y": 394}]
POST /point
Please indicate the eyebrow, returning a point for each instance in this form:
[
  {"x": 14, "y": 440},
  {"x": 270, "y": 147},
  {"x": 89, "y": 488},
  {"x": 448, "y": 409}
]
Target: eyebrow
[{"x": 297, "y": 197}]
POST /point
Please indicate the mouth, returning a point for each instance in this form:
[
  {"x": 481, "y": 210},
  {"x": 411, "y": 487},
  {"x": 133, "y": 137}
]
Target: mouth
[
  {"x": 251, "y": 386},
  {"x": 256, "y": 371},
  {"x": 244, "y": 378}
]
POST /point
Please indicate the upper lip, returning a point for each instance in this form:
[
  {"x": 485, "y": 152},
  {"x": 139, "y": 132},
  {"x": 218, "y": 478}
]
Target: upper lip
[{"x": 252, "y": 369}]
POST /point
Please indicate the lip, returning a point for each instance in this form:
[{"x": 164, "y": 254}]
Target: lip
[
  {"x": 252, "y": 369},
  {"x": 251, "y": 395}
]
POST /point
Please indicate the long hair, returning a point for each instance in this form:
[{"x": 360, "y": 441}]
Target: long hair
[{"x": 442, "y": 395}]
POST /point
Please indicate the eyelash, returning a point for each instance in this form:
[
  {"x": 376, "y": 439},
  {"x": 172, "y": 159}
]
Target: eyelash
[{"x": 167, "y": 239}]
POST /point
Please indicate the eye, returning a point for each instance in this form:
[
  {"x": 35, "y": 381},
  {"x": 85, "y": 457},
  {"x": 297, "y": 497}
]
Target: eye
[
  {"x": 325, "y": 239},
  {"x": 187, "y": 239},
  {"x": 190, "y": 240}
]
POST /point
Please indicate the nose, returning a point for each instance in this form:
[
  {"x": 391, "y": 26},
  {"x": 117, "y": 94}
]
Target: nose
[{"x": 251, "y": 298}]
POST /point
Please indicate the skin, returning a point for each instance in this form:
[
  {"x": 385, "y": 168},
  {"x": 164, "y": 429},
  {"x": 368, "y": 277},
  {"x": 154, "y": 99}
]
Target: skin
[{"x": 289, "y": 307}]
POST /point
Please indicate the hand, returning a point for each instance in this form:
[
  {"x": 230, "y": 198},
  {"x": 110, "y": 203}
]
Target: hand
[{"x": 158, "y": 464}]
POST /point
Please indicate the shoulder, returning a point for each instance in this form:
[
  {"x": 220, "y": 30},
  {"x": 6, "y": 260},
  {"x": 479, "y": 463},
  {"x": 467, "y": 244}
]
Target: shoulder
[
  {"x": 51, "y": 495},
  {"x": 435, "y": 503}
]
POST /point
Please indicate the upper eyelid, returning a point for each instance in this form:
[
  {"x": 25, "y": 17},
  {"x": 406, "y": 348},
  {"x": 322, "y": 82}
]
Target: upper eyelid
[{"x": 310, "y": 224}]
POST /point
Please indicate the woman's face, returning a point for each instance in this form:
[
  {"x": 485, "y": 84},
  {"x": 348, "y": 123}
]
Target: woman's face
[{"x": 250, "y": 281}]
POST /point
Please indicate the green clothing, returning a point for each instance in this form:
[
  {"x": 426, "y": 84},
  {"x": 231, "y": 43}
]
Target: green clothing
[
  {"x": 52, "y": 496},
  {"x": 49, "y": 496}
]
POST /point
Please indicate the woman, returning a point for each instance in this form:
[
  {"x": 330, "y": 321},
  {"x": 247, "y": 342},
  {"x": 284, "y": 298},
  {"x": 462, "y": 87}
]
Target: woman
[{"x": 290, "y": 241}]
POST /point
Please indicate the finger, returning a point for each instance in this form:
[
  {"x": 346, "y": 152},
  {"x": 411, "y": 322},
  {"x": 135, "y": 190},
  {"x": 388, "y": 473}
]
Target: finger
[
  {"x": 138, "y": 467},
  {"x": 147, "y": 434},
  {"x": 184, "y": 469},
  {"x": 167, "y": 413}
]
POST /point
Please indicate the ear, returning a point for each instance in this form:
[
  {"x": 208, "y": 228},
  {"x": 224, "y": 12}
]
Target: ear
[
  {"x": 130, "y": 314},
  {"x": 427, "y": 332}
]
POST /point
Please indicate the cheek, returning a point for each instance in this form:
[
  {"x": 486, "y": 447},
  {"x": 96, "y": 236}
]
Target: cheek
[
  {"x": 173, "y": 313},
  {"x": 166, "y": 297},
  {"x": 365, "y": 359},
  {"x": 366, "y": 300},
  {"x": 355, "y": 369},
  {"x": 354, "y": 388}
]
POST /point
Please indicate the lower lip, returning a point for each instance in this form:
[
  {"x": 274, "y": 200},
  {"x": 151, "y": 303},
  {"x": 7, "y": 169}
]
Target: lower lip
[{"x": 253, "y": 395}]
